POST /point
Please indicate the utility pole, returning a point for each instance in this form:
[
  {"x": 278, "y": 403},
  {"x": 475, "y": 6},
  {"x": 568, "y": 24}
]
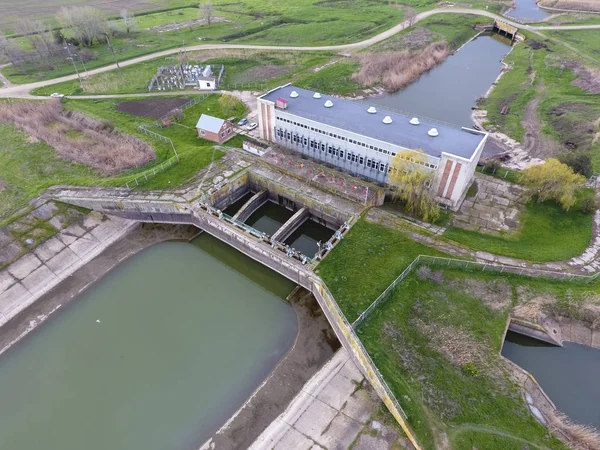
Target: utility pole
[
  {"x": 114, "y": 57},
  {"x": 72, "y": 58}
]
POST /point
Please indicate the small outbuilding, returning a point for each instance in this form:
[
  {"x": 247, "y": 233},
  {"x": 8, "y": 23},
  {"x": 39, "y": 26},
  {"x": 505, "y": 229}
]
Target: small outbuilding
[{"x": 214, "y": 129}]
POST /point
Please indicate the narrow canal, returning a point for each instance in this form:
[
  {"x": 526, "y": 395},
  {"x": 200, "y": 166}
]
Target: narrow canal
[
  {"x": 269, "y": 217},
  {"x": 156, "y": 355},
  {"x": 307, "y": 236},
  {"x": 449, "y": 92},
  {"x": 569, "y": 374},
  {"x": 527, "y": 11}
]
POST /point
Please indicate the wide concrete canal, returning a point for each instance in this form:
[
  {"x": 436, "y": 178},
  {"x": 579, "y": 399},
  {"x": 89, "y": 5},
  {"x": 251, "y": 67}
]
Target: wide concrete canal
[
  {"x": 158, "y": 354},
  {"x": 569, "y": 374},
  {"x": 450, "y": 91}
]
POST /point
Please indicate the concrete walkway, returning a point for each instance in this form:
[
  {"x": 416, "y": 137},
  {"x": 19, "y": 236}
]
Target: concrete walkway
[
  {"x": 331, "y": 412},
  {"x": 37, "y": 272},
  {"x": 22, "y": 91}
]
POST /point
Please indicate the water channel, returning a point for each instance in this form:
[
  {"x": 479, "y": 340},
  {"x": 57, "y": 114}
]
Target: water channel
[
  {"x": 156, "y": 355},
  {"x": 528, "y": 11},
  {"x": 269, "y": 217},
  {"x": 306, "y": 237},
  {"x": 569, "y": 374},
  {"x": 449, "y": 92}
]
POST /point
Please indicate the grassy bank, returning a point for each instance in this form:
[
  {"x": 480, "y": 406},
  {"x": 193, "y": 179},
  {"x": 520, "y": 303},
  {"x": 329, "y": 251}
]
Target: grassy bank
[
  {"x": 436, "y": 341},
  {"x": 27, "y": 169},
  {"x": 567, "y": 110},
  {"x": 364, "y": 264},
  {"x": 547, "y": 233}
]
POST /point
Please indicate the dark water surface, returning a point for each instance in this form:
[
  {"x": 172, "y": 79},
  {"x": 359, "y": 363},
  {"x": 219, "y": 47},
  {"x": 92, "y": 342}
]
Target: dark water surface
[
  {"x": 186, "y": 333},
  {"x": 269, "y": 217},
  {"x": 527, "y": 10},
  {"x": 449, "y": 91},
  {"x": 570, "y": 375},
  {"x": 305, "y": 238}
]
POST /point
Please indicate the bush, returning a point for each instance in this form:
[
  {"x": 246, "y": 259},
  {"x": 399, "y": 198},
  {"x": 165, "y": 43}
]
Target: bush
[
  {"x": 470, "y": 370},
  {"x": 491, "y": 166},
  {"x": 553, "y": 180},
  {"x": 580, "y": 162},
  {"x": 589, "y": 204}
]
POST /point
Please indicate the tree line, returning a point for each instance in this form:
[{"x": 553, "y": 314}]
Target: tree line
[{"x": 80, "y": 28}]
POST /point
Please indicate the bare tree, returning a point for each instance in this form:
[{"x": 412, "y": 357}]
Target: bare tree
[
  {"x": 39, "y": 39},
  {"x": 8, "y": 50},
  {"x": 410, "y": 16},
  {"x": 129, "y": 21},
  {"x": 86, "y": 22},
  {"x": 207, "y": 11}
]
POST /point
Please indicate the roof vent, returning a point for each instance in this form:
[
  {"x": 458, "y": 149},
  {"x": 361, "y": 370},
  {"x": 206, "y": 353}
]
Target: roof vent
[
  {"x": 328, "y": 104},
  {"x": 414, "y": 121},
  {"x": 387, "y": 119},
  {"x": 433, "y": 132},
  {"x": 294, "y": 94},
  {"x": 316, "y": 95},
  {"x": 371, "y": 110}
]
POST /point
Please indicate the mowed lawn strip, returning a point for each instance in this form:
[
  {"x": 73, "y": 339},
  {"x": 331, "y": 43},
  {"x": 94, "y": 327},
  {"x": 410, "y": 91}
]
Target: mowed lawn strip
[
  {"x": 548, "y": 233},
  {"x": 366, "y": 262},
  {"x": 436, "y": 341}
]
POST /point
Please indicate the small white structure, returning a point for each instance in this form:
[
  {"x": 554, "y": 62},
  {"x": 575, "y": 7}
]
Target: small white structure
[{"x": 207, "y": 81}]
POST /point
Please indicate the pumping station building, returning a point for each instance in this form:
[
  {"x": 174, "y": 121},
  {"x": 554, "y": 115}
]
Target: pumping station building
[{"x": 362, "y": 140}]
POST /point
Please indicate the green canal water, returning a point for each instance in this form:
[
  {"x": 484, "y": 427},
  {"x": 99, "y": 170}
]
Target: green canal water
[
  {"x": 269, "y": 217},
  {"x": 157, "y": 355}
]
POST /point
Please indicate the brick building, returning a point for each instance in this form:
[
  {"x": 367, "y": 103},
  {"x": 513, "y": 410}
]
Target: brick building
[
  {"x": 362, "y": 139},
  {"x": 214, "y": 129}
]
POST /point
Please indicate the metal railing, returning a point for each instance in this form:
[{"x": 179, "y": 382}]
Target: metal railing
[
  {"x": 332, "y": 305},
  {"x": 473, "y": 265},
  {"x": 147, "y": 174}
]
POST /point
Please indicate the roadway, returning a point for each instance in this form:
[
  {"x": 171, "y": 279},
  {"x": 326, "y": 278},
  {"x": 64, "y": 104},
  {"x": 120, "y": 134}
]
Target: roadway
[{"x": 22, "y": 91}]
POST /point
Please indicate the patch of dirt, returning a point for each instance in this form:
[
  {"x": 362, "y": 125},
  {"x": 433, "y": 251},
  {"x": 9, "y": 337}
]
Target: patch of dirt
[
  {"x": 263, "y": 73},
  {"x": 589, "y": 78},
  {"x": 536, "y": 45},
  {"x": 535, "y": 143},
  {"x": 32, "y": 140},
  {"x": 573, "y": 123},
  {"x": 495, "y": 294},
  {"x": 455, "y": 344},
  {"x": 418, "y": 38},
  {"x": 188, "y": 23},
  {"x": 153, "y": 108}
]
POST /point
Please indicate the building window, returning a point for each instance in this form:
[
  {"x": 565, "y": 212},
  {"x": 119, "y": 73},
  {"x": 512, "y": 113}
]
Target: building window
[
  {"x": 361, "y": 160},
  {"x": 342, "y": 154},
  {"x": 229, "y": 130},
  {"x": 223, "y": 134},
  {"x": 202, "y": 132}
]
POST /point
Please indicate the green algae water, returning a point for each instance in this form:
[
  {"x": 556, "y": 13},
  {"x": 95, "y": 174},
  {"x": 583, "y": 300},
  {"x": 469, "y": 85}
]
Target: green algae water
[{"x": 157, "y": 355}]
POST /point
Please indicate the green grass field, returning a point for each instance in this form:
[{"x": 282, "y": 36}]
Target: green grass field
[
  {"x": 568, "y": 113},
  {"x": 365, "y": 263},
  {"x": 26, "y": 169},
  {"x": 436, "y": 341},
  {"x": 242, "y": 68},
  {"x": 548, "y": 233}
]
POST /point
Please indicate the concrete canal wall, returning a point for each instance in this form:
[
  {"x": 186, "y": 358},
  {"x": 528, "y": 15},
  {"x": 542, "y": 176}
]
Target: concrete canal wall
[{"x": 255, "y": 248}]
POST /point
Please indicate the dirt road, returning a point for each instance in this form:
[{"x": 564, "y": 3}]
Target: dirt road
[{"x": 22, "y": 91}]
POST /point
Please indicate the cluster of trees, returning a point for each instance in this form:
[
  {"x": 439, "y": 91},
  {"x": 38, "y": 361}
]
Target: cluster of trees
[
  {"x": 551, "y": 181},
  {"x": 80, "y": 27}
]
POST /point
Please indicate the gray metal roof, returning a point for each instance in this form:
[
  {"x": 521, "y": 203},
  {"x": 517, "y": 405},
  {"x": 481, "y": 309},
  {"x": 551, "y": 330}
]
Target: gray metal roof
[
  {"x": 210, "y": 123},
  {"x": 353, "y": 116}
]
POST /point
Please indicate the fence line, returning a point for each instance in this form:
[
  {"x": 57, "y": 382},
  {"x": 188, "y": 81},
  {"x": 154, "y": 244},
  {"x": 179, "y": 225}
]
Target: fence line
[
  {"x": 144, "y": 176},
  {"x": 372, "y": 372},
  {"x": 472, "y": 265}
]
